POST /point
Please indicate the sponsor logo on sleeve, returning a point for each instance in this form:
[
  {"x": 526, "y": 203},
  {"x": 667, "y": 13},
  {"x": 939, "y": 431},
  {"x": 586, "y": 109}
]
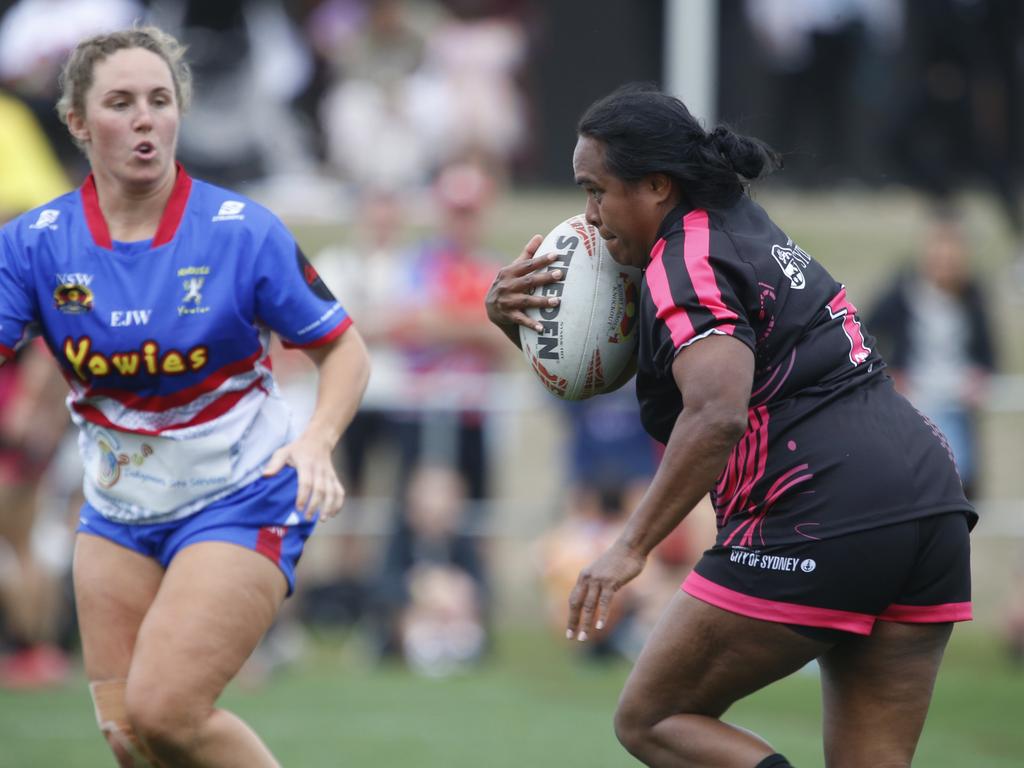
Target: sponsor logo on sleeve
[
  {"x": 793, "y": 260},
  {"x": 230, "y": 210},
  {"x": 47, "y": 219}
]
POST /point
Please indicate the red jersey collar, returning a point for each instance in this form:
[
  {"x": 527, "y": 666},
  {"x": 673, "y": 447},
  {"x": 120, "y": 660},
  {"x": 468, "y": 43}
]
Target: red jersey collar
[{"x": 169, "y": 220}]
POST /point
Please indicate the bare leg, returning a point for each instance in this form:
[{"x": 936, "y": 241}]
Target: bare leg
[
  {"x": 698, "y": 661},
  {"x": 876, "y": 691},
  {"x": 114, "y": 588},
  {"x": 215, "y": 603}
]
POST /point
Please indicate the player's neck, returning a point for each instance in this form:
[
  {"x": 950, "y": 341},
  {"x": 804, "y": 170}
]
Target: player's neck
[{"x": 132, "y": 212}]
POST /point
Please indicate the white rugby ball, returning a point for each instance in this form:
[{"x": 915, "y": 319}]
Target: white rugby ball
[{"x": 588, "y": 342}]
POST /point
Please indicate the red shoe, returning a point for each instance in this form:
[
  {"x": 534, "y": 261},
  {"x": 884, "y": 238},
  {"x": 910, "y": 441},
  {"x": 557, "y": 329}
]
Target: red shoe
[{"x": 40, "y": 666}]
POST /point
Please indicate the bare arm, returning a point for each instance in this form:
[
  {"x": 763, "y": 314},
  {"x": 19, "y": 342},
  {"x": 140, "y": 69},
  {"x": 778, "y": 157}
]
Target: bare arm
[
  {"x": 714, "y": 376},
  {"x": 344, "y": 369}
]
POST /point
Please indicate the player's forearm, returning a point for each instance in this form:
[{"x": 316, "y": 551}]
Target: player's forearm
[
  {"x": 695, "y": 456},
  {"x": 344, "y": 370}
]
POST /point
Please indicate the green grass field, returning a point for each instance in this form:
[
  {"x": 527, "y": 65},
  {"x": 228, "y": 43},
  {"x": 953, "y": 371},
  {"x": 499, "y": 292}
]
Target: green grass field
[{"x": 533, "y": 704}]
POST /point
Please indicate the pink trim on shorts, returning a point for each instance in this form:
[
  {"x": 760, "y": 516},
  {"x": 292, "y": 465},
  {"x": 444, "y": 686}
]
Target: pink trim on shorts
[
  {"x": 774, "y": 610},
  {"x": 928, "y": 614}
]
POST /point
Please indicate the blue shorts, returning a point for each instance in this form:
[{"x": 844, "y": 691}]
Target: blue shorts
[{"x": 260, "y": 516}]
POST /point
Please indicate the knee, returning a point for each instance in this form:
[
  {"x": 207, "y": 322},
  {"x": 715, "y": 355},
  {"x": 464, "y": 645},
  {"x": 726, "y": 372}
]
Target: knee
[
  {"x": 632, "y": 729},
  {"x": 163, "y": 721},
  {"x": 112, "y": 717}
]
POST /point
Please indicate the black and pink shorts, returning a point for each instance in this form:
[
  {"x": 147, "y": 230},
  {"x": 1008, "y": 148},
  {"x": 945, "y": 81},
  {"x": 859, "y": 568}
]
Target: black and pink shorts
[{"x": 916, "y": 572}]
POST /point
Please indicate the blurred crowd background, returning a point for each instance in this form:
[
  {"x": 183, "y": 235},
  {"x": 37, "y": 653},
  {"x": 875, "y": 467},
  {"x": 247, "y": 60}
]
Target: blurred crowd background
[{"x": 413, "y": 147}]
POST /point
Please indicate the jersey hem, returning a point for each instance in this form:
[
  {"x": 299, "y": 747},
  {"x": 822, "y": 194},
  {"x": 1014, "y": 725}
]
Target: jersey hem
[
  {"x": 865, "y": 524},
  {"x": 130, "y": 515}
]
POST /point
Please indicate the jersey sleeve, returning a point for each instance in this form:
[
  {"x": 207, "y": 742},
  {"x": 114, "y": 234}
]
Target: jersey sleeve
[
  {"x": 696, "y": 282},
  {"x": 17, "y": 308},
  {"x": 291, "y": 299}
]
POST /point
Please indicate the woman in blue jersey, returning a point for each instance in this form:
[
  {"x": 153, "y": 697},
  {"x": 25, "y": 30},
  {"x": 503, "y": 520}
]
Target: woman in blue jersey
[
  {"x": 842, "y": 524},
  {"x": 157, "y": 294}
]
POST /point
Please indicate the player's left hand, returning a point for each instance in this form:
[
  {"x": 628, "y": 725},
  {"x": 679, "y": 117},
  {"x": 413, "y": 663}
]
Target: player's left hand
[
  {"x": 319, "y": 487},
  {"x": 591, "y": 598}
]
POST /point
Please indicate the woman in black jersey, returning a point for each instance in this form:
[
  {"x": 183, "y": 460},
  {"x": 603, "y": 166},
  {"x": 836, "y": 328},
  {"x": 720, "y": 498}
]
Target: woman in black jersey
[{"x": 842, "y": 524}]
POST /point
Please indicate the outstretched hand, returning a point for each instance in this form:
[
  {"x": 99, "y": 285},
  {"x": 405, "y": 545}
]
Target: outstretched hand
[
  {"x": 319, "y": 487},
  {"x": 514, "y": 289},
  {"x": 591, "y": 598}
]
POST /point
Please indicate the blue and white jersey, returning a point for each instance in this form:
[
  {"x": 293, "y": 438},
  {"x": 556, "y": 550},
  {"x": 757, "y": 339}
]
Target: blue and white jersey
[{"x": 165, "y": 343}]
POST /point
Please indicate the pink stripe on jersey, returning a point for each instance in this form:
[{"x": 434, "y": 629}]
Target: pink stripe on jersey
[
  {"x": 331, "y": 335},
  {"x": 697, "y": 255},
  {"x": 928, "y": 614},
  {"x": 774, "y": 610},
  {"x": 732, "y": 493},
  {"x": 674, "y": 317}
]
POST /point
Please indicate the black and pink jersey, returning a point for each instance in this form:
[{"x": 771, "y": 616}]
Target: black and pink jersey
[{"x": 830, "y": 447}]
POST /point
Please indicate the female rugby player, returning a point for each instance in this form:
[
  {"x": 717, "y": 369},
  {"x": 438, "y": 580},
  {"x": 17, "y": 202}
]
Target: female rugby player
[
  {"x": 157, "y": 294},
  {"x": 842, "y": 524}
]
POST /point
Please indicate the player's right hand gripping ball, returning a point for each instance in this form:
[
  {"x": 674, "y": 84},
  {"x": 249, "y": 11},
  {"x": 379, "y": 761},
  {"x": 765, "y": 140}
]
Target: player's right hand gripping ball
[{"x": 588, "y": 342}]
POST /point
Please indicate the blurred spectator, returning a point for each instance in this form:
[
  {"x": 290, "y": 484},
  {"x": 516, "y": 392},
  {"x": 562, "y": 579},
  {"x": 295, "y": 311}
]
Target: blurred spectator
[
  {"x": 252, "y": 62},
  {"x": 35, "y": 39},
  {"x": 370, "y": 130},
  {"x": 582, "y": 536},
  {"x": 829, "y": 96},
  {"x": 932, "y": 329},
  {"x": 32, "y": 422},
  {"x": 612, "y": 458},
  {"x": 957, "y": 118},
  {"x": 467, "y": 100},
  {"x": 440, "y": 326},
  {"x": 432, "y": 596},
  {"x": 612, "y": 461},
  {"x": 363, "y": 275}
]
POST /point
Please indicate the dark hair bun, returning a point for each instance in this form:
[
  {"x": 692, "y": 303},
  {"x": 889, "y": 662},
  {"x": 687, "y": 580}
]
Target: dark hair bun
[{"x": 749, "y": 157}]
